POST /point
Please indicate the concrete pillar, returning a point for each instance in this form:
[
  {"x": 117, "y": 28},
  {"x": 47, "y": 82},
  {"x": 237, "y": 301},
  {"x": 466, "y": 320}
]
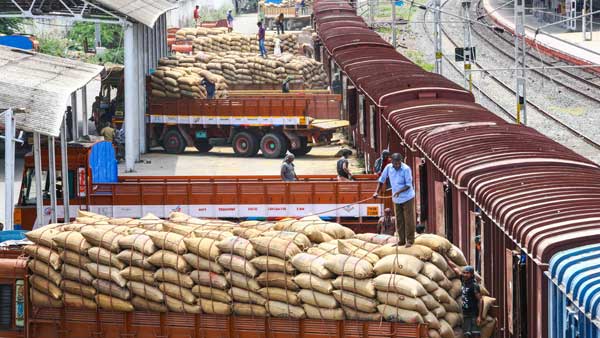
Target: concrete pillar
[
  {"x": 52, "y": 177},
  {"x": 64, "y": 169},
  {"x": 131, "y": 147},
  {"x": 9, "y": 168},
  {"x": 141, "y": 46}
]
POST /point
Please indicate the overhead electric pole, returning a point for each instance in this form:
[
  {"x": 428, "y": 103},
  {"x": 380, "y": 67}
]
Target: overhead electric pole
[
  {"x": 587, "y": 26},
  {"x": 394, "y": 38},
  {"x": 437, "y": 34},
  {"x": 520, "y": 55},
  {"x": 468, "y": 48}
]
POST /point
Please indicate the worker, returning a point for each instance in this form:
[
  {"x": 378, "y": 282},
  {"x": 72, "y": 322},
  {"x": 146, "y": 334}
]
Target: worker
[
  {"x": 261, "y": 39},
  {"x": 97, "y": 112},
  {"x": 387, "y": 223},
  {"x": 197, "y": 15},
  {"x": 229, "y": 21},
  {"x": 336, "y": 85},
  {"x": 285, "y": 86},
  {"x": 288, "y": 172},
  {"x": 471, "y": 296},
  {"x": 69, "y": 122},
  {"x": 279, "y": 24},
  {"x": 403, "y": 196},
  {"x": 108, "y": 132},
  {"x": 382, "y": 161},
  {"x": 342, "y": 166},
  {"x": 297, "y": 7},
  {"x": 210, "y": 88}
]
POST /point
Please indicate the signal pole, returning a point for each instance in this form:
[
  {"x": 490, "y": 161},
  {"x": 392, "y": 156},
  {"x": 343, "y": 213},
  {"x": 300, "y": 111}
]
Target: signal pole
[
  {"x": 437, "y": 35},
  {"x": 468, "y": 50},
  {"x": 520, "y": 61}
]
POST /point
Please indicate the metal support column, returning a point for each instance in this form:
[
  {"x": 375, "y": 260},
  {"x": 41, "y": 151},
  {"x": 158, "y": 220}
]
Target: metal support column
[
  {"x": 9, "y": 168},
  {"x": 131, "y": 148},
  {"x": 520, "y": 54},
  {"x": 84, "y": 110},
  {"x": 64, "y": 166},
  {"x": 394, "y": 36},
  {"x": 75, "y": 118},
  {"x": 140, "y": 132},
  {"x": 52, "y": 177},
  {"x": 97, "y": 35},
  {"x": 468, "y": 77},
  {"x": 586, "y": 20},
  {"x": 39, "y": 194},
  {"x": 437, "y": 34},
  {"x": 371, "y": 11}
]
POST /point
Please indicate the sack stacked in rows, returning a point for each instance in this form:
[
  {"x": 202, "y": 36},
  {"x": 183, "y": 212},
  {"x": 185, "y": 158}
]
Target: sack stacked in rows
[{"x": 179, "y": 76}]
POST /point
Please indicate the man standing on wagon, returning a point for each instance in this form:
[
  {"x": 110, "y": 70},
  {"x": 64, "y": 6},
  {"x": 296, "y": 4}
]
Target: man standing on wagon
[{"x": 403, "y": 196}]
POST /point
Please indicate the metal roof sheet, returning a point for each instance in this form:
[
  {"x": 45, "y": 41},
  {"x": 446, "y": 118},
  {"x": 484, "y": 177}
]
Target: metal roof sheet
[
  {"x": 41, "y": 85},
  {"x": 144, "y": 11}
]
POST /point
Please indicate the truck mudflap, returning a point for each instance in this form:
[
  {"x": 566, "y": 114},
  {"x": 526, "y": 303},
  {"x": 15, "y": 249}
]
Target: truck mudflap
[
  {"x": 329, "y": 124},
  {"x": 56, "y": 322}
]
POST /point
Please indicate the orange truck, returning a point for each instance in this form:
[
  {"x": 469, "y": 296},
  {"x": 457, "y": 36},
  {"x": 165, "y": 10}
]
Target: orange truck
[{"x": 95, "y": 186}]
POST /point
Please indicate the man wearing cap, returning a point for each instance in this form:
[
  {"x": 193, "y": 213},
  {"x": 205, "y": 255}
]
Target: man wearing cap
[
  {"x": 403, "y": 196},
  {"x": 285, "y": 87},
  {"x": 471, "y": 296}
]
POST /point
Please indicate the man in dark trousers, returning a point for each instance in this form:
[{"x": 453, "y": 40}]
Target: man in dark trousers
[
  {"x": 285, "y": 87},
  {"x": 210, "y": 88},
  {"x": 261, "y": 39},
  {"x": 343, "y": 166},
  {"x": 387, "y": 223},
  {"x": 403, "y": 196},
  {"x": 471, "y": 296},
  {"x": 69, "y": 122}
]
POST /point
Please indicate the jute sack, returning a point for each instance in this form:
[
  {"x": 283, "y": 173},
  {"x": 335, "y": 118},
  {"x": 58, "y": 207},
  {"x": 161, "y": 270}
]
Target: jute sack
[
  {"x": 430, "y": 302},
  {"x": 419, "y": 251},
  {"x": 238, "y": 264},
  {"x": 355, "y": 301},
  {"x": 136, "y": 274},
  {"x": 169, "y": 259},
  {"x": 246, "y": 233},
  {"x": 42, "y": 269},
  {"x": 244, "y": 296},
  {"x": 77, "y": 301},
  {"x": 321, "y": 313},
  {"x": 308, "y": 281},
  {"x": 272, "y": 263},
  {"x": 453, "y": 318},
  {"x": 299, "y": 239},
  {"x": 209, "y": 279},
  {"x": 43, "y": 300},
  {"x": 456, "y": 256},
  {"x": 439, "y": 261},
  {"x": 43, "y": 236},
  {"x": 214, "y": 294},
  {"x": 394, "y": 314},
  {"x": 78, "y": 289},
  {"x": 456, "y": 289},
  {"x": 74, "y": 258},
  {"x": 370, "y": 247},
  {"x": 143, "y": 304},
  {"x": 352, "y": 314},
  {"x": 281, "y": 295},
  {"x": 176, "y": 305},
  {"x": 146, "y": 291},
  {"x": 434, "y": 242},
  {"x": 113, "y": 303},
  {"x": 439, "y": 312},
  {"x": 105, "y": 257},
  {"x": 431, "y": 320},
  {"x": 278, "y": 247},
  {"x": 402, "y": 302},
  {"x": 214, "y": 307},
  {"x": 111, "y": 289},
  {"x": 45, "y": 286},
  {"x": 427, "y": 283},
  {"x": 487, "y": 329},
  {"x": 106, "y": 272},
  {"x": 283, "y": 310},
  {"x": 401, "y": 264},
  {"x": 351, "y": 250},
  {"x": 217, "y": 235},
  {"x": 487, "y": 302},
  {"x": 401, "y": 284},
  {"x": 441, "y": 295},
  {"x": 445, "y": 284},
  {"x": 138, "y": 242},
  {"x": 452, "y": 306},
  {"x": 278, "y": 280},
  {"x": 168, "y": 241},
  {"x": 174, "y": 277},
  {"x": 102, "y": 238},
  {"x": 318, "y": 299},
  {"x": 71, "y": 240},
  {"x": 238, "y": 246},
  {"x": 446, "y": 330},
  {"x": 364, "y": 287},
  {"x": 349, "y": 266},
  {"x": 43, "y": 254},
  {"x": 377, "y": 239},
  {"x": 178, "y": 292},
  {"x": 244, "y": 309},
  {"x": 77, "y": 274},
  {"x": 200, "y": 263},
  {"x": 135, "y": 258},
  {"x": 312, "y": 264}
]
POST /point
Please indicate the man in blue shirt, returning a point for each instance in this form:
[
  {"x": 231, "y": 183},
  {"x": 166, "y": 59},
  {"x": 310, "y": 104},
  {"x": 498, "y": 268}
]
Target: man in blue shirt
[{"x": 403, "y": 196}]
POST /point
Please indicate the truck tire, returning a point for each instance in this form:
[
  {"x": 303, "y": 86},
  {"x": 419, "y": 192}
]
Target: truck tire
[
  {"x": 203, "y": 145},
  {"x": 273, "y": 145},
  {"x": 173, "y": 142},
  {"x": 304, "y": 148},
  {"x": 245, "y": 144}
]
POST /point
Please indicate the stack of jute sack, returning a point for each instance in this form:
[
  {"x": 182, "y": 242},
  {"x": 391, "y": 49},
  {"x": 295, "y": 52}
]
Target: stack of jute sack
[
  {"x": 293, "y": 268},
  {"x": 219, "y": 40},
  {"x": 181, "y": 76}
]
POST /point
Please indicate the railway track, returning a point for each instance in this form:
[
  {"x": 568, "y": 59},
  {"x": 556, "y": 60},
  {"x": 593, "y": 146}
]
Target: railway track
[{"x": 536, "y": 108}]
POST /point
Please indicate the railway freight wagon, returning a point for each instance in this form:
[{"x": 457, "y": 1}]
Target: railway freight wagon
[{"x": 477, "y": 176}]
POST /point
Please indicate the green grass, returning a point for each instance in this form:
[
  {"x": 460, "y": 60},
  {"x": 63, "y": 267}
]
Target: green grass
[{"x": 417, "y": 57}]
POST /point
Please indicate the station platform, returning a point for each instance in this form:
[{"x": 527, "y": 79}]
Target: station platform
[{"x": 556, "y": 40}]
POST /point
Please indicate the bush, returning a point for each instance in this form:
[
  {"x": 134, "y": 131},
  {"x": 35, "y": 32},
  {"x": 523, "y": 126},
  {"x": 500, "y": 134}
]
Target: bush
[
  {"x": 10, "y": 26},
  {"x": 52, "y": 46}
]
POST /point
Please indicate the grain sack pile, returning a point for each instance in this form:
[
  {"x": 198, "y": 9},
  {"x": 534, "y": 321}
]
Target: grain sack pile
[
  {"x": 218, "y": 40},
  {"x": 293, "y": 268},
  {"x": 181, "y": 76}
]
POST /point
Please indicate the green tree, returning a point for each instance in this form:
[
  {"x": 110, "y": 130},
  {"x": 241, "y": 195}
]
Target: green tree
[
  {"x": 111, "y": 34},
  {"x": 10, "y": 25}
]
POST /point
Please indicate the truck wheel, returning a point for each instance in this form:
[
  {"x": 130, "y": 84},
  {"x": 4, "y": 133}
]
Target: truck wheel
[
  {"x": 273, "y": 145},
  {"x": 203, "y": 145},
  {"x": 245, "y": 144},
  {"x": 304, "y": 148},
  {"x": 173, "y": 142}
]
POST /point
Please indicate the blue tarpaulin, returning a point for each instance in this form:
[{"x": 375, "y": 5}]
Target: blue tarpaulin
[
  {"x": 103, "y": 163},
  {"x": 273, "y": 1},
  {"x": 16, "y": 41}
]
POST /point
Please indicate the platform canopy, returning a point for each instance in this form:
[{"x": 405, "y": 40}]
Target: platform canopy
[
  {"x": 142, "y": 11},
  {"x": 40, "y": 85}
]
